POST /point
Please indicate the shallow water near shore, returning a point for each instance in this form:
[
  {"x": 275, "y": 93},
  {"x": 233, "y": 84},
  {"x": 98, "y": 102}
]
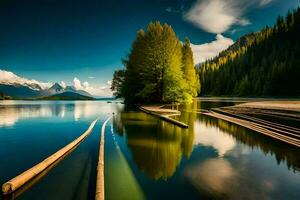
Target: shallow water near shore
[{"x": 145, "y": 158}]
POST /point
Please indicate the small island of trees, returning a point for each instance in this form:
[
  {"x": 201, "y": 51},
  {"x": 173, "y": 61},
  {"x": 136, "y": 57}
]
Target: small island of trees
[{"x": 158, "y": 69}]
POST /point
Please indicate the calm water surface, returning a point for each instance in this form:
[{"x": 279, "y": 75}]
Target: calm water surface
[{"x": 145, "y": 158}]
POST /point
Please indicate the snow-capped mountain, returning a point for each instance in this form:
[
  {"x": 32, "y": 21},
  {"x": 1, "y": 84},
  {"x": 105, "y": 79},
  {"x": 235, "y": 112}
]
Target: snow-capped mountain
[
  {"x": 18, "y": 87},
  {"x": 9, "y": 78},
  {"x": 54, "y": 89}
]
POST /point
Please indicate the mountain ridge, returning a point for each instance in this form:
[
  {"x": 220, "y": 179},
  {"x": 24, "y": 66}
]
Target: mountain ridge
[
  {"x": 19, "y": 87},
  {"x": 67, "y": 96},
  {"x": 20, "y": 91}
]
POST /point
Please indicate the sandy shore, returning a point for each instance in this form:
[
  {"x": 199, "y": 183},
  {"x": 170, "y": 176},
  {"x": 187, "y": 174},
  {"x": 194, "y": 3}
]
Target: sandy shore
[{"x": 275, "y": 105}]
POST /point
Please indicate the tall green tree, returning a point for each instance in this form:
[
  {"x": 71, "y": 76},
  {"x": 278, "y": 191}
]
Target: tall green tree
[
  {"x": 153, "y": 68},
  {"x": 188, "y": 69}
]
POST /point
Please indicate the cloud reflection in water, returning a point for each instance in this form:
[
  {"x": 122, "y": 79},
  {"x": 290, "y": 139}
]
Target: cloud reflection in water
[{"x": 212, "y": 136}]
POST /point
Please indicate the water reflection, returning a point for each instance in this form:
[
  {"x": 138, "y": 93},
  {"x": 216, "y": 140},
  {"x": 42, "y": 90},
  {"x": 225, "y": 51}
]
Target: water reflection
[
  {"x": 211, "y": 159},
  {"x": 85, "y": 109},
  {"x": 157, "y": 147},
  {"x": 219, "y": 178},
  {"x": 213, "y": 136},
  {"x": 13, "y": 111},
  {"x": 283, "y": 153},
  {"x": 245, "y": 167},
  {"x": 213, "y": 177},
  {"x": 11, "y": 114}
]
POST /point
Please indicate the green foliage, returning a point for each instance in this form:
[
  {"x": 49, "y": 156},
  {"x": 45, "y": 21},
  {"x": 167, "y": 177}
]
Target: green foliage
[
  {"x": 265, "y": 63},
  {"x": 2, "y": 95},
  {"x": 154, "y": 68},
  {"x": 117, "y": 82},
  {"x": 189, "y": 69}
]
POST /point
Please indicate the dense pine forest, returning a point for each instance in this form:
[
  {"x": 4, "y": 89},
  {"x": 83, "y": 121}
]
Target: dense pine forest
[
  {"x": 265, "y": 63},
  {"x": 159, "y": 68}
]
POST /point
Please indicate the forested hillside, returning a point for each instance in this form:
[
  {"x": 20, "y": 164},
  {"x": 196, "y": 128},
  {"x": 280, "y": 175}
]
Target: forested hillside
[
  {"x": 266, "y": 63},
  {"x": 159, "y": 68}
]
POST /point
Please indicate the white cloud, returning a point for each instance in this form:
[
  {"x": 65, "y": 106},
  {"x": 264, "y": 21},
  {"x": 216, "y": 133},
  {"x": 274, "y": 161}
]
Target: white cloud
[
  {"x": 216, "y": 16},
  {"x": 96, "y": 90},
  {"x": 91, "y": 77},
  {"x": 264, "y": 2},
  {"x": 77, "y": 84},
  {"x": 243, "y": 22},
  {"x": 9, "y": 78},
  {"x": 63, "y": 84},
  {"x": 86, "y": 84},
  {"x": 209, "y": 50}
]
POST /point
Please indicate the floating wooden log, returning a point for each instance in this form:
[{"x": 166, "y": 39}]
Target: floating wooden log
[
  {"x": 255, "y": 119},
  {"x": 256, "y": 127},
  {"x": 286, "y": 130},
  {"x": 15, "y": 183},
  {"x": 163, "y": 117},
  {"x": 100, "y": 194}
]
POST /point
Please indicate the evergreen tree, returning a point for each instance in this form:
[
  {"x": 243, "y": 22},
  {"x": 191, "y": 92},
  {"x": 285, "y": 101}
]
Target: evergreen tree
[
  {"x": 153, "y": 69},
  {"x": 265, "y": 63},
  {"x": 189, "y": 71}
]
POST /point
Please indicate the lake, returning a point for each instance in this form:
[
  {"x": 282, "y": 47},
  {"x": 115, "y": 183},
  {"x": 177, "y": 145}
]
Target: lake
[{"x": 145, "y": 158}]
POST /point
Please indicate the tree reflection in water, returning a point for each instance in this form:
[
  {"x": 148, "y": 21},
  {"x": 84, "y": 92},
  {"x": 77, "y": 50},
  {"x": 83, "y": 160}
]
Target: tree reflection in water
[
  {"x": 157, "y": 147},
  {"x": 283, "y": 153}
]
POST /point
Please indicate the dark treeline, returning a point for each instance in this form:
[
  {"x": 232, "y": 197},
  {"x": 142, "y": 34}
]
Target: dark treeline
[
  {"x": 4, "y": 97},
  {"x": 266, "y": 63},
  {"x": 159, "y": 68}
]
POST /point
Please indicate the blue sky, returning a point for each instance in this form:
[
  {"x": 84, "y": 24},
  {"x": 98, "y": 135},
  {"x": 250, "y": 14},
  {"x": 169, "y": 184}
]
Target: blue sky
[{"x": 57, "y": 40}]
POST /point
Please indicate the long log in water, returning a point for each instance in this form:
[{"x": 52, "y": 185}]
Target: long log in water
[
  {"x": 256, "y": 127},
  {"x": 168, "y": 119},
  {"x": 284, "y": 114},
  {"x": 15, "y": 183},
  {"x": 286, "y": 130},
  {"x": 100, "y": 195},
  {"x": 244, "y": 115}
]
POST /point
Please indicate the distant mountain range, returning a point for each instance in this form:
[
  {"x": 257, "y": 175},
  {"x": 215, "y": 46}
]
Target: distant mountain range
[
  {"x": 17, "y": 91},
  {"x": 21, "y": 88},
  {"x": 67, "y": 96}
]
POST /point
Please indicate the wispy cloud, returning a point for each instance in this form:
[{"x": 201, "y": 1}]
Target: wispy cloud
[
  {"x": 218, "y": 16},
  {"x": 265, "y": 2},
  {"x": 178, "y": 8},
  {"x": 209, "y": 50},
  {"x": 169, "y": 9},
  {"x": 91, "y": 77}
]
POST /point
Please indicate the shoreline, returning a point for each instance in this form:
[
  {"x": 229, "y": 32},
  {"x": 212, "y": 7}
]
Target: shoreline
[{"x": 252, "y": 115}]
